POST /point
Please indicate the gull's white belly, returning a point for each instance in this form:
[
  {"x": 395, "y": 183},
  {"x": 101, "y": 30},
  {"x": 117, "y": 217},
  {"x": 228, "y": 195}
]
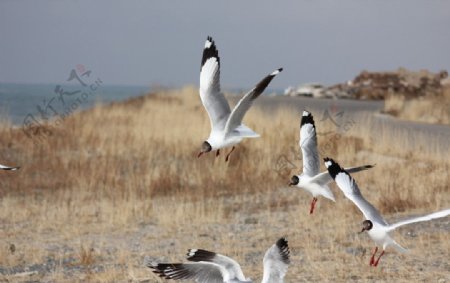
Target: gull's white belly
[
  {"x": 379, "y": 236},
  {"x": 219, "y": 141},
  {"x": 306, "y": 185}
]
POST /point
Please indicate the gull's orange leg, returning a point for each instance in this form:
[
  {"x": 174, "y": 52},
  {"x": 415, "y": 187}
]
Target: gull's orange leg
[
  {"x": 372, "y": 259},
  {"x": 378, "y": 260},
  {"x": 313, "y": 205}
]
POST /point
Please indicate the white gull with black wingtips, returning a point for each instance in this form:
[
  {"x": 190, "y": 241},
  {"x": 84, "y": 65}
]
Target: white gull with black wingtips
[
  {"x": 210, "y": 267},
  {"x": 375, "y": 225},
  {"x": 311, "y": 180},
  {"x": 226, "y": 125},
  {"x": 3, "y": 167}
]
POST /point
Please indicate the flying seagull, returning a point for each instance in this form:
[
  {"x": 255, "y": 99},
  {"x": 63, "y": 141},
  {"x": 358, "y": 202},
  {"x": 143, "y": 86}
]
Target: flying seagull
[
  {"x": 3, "y": 167},
  {"x": 226, "y": 125},
  {"x": 311, "y": 180},
  {"x": 375, "y": 225},
  {"x": 210, "y": 267}
]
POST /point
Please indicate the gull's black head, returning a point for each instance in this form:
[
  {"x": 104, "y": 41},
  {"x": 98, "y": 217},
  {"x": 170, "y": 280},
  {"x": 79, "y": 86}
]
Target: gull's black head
[
  {"x": 206, "y": 147},
  {"x": 367, "y": 225},
  {"x": 294, "y": 181}
]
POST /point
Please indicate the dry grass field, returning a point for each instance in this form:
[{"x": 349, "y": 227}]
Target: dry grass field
[
  {"x": 115, "y": 183},
  {"x": 429, "y": 109}
]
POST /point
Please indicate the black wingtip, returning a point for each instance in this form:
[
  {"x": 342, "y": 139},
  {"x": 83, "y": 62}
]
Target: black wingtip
[
  {"x": 156, "y": 268},
  {"x": 282, "y": 244},
  {"x": 333, "y": 167},
  {"x": 307, "y": 118},
  {"x": 262, "y": 85},
  {"x": 161, "y": 269},
  {"x": 200, "y": 255},
  {"x": 210, "y": 51},
  {"x": 11, "y": 168},
  {"x": 368, "y": 166},
  {"x": 276, "y": 72}
]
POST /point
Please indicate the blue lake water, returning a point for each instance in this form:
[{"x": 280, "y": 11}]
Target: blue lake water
[
  {"x": 40, "y": 101},
  {"x": 33, "y": 102}
]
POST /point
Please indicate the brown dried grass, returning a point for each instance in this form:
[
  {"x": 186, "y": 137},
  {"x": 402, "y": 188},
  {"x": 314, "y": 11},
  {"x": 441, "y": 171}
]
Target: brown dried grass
[
  {"x": 125, "y": 178},
  {"x": 434, "y": 109}
]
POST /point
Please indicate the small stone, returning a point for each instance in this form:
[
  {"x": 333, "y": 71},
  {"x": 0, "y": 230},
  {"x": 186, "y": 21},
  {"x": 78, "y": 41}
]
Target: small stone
[
  {"x": 12, "y": 248},
  {"x": 251, "y": 221}
]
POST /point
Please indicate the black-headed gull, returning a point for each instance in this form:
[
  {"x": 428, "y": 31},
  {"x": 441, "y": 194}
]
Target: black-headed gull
[
  {"x": 210, "y": 267},
  {"x": 226, "y": 125},
  {"x": 3, "y": 167},
  {"x": 311, "y": 179},
  {"x": 375, "y": 225}
]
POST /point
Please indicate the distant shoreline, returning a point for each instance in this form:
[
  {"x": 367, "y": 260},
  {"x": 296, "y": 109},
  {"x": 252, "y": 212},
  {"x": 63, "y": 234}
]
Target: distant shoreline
[{"x": 20, "y": 100}]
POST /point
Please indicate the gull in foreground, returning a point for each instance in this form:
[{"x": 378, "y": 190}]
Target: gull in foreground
[
  {"x": 375, "y": 225},
  {"x": 311, "y": 180},
  {"x": 3, "y": 167},
  {"x": 210, "y": 267},
  {"x": 226, "y": 125}
]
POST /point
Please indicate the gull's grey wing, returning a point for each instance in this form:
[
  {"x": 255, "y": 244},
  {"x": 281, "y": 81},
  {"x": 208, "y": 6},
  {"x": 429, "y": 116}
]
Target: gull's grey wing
[
  {"x": 428, "y": 217},
  {"x": 3, "y": 167},
  {"x": 325, "y": 178},
  {"x": 308, "y": 145},
  {"x": 231, "y": 266},
  {"x": 213, "y": 100},
  {"x": 276, "y": 262},
  {"x": 351, "y": 191},
  {"x": 201, "y": 272},
  {"x": 244, "y": 104}
]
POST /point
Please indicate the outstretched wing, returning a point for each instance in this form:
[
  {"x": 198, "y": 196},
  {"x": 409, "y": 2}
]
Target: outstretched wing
[
  {"x": 308, "y": 145},
  {"x": 428, "y": 217},
  {"x": 351, "y": 191},
  {"x": 325, "y": 178},
  {"x": 201, "y": 272},
  {"x": 276, "y": 261},
  {"x": 231, "y": 266},
  {"x": 244, "y": 104},
  {"x": 3, "y": 167},
  {"x": 213, "y": 100}
]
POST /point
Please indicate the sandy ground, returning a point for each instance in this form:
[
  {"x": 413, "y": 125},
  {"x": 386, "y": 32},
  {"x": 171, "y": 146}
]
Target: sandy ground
[{"x": 245, "y": 236}]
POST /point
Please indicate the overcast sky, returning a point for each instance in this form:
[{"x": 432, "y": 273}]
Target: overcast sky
[{"x": 160, "y": 42}]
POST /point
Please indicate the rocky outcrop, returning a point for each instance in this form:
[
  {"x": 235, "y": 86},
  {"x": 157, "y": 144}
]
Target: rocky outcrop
[{"x": 379, "y": 85}]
